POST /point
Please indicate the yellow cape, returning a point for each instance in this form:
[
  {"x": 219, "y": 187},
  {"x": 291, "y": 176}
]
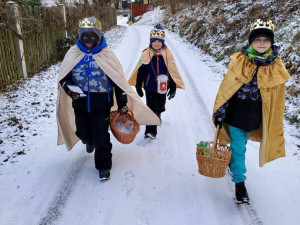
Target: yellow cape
[
  {"x": 169, "y": 61},
  {"x": 271, "y": 82},
  {"x": 109, "y": 63}
]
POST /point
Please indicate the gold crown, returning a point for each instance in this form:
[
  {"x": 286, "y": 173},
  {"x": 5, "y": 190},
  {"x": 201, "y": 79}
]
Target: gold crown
[
  {"x": 91, "y": 22},
  {"x": 157, "y": 33},
  {"x": 261, "y": 24}
]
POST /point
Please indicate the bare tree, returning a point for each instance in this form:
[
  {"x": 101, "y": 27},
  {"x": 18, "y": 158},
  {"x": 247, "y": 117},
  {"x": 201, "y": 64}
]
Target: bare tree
[
  {"x": 172, "y": 6},
  {"x": 104, "y": 3},
  {"x": 116, "y": 3},
  {"x": 107, "y": 3}
]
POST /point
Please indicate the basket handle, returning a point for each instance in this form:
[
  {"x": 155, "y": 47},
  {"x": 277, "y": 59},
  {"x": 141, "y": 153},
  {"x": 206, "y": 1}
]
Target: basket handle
[
  {"x": 118, "y": 114},
  {"x": 131, "y": 114},
  {"x": 215, "y": 141}
]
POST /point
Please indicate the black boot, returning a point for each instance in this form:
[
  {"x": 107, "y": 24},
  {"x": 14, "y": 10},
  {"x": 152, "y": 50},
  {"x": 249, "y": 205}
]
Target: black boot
[
  {"x": 150, "y": 136},
  {"x": 90, "y": 148},
  {"x": 241, "y": 195},
  {"x": 150, "y": 132},
  {"x": 104, "y": 174}
]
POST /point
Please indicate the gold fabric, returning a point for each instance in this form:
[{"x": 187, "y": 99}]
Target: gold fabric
[
  {"x": 169, "y": 61},
  {"x": 271, "y": 82},
  {"x": 109, "y": 63}
]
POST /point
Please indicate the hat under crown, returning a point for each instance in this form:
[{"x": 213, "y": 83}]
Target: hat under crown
[
  {"x": 90, "y": 24},
  {"x": 261, "y": 28}
]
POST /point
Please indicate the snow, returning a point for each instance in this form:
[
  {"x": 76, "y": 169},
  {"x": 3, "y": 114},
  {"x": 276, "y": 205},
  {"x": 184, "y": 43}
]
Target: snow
[
  {"x": 154, "y": 183},
  {"x": 126, "y": 127},
  {"x": 122, "y": 21}
]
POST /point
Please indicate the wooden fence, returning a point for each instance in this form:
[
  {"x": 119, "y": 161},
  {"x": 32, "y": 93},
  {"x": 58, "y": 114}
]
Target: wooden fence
[
  {"x": 9, "y": 66},
  {"x": 35, "y": 48},
  {"x": 40, "y": 39}
]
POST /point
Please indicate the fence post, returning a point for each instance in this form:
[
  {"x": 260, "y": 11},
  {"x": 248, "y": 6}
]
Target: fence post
[
  {"x": 63, "y": 9},
  {"x": 18, "y": 40}
]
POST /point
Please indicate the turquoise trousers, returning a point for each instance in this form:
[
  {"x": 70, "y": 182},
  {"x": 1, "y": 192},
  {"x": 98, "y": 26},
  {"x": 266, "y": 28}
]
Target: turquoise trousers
[{"x": 238, "y": 145}]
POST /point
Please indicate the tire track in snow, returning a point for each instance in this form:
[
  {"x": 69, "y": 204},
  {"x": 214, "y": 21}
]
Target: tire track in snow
[
  {"x": 56, "y": 206},
  {"x": 248, "y": 212},
  {"x": 134, "y": 53},
  {"x": 131, "y": 52},
  {"x": 203, "y": 111}
]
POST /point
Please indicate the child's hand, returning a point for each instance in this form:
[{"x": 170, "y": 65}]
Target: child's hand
[
  {"x": 139, "y": 90},
  {"x": 73, "y": 95},
  {"x": 123, "y": 110},
  {"x": 218, "y": 123},
  {"x": 172, "y": 91},
  {"x": 171, "y": 95}
]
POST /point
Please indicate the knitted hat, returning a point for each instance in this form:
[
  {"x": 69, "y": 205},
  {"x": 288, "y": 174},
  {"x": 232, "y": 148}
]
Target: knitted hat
[
  {"x": 157, "y": 33},
  {"x": 262, "y": 29},
  {"x": 90, "y": 25}
]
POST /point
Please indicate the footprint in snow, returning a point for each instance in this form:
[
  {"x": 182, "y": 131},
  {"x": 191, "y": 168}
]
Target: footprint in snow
[
  {"x": 129, "y": 184},
  {"x": 144, "y": 142},
  {"x": 165, "y": 151}
]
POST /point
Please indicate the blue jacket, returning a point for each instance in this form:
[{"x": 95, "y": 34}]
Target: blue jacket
[
  {"x": 92, "y": 80},
  {"x": 149, "y": 72},
  {"x": 87, "y": 74}
]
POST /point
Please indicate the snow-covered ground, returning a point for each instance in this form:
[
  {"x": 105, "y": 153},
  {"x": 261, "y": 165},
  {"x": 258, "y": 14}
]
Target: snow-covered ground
[{"x": 151, "y": 184}]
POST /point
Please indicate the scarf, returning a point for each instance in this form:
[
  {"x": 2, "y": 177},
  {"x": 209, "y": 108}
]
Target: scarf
[
  {"x": 260, "y": 59},
  {"x": 158, "y": 52}
]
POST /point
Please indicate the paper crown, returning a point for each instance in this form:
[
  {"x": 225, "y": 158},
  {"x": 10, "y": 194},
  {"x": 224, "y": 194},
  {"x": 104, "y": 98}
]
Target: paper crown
[
  {"x": 158, "y": 34},
  {"x": 258, "y": 24},
  {"x": 90, "y": 22}
]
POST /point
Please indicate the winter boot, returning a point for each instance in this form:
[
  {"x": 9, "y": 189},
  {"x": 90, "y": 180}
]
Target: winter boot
[
  {"x": 150, "y": 136},
  {"x": 241, "y": 195},
  {"x": 104, "y": 174},
  {"x": 90, "y": 148}
]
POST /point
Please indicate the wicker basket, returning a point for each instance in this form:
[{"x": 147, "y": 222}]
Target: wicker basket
[
  {"x": 214, "y": 159},
  {"x": 123, "y": 137}
]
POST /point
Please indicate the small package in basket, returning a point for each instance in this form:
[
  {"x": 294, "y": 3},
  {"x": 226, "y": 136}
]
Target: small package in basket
[
  {"x": 124, "y": 127},
  {"x": 213, "y": 158}
]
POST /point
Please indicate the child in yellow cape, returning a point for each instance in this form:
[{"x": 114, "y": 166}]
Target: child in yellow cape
[
  {"x": 250, "y": 103},
  {"x": 92, "y": 68},
  {"x": 157, "y": 72}
]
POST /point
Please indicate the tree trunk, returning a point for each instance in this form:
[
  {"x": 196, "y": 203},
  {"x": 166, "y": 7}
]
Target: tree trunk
[{"x": 172, "y": 6}]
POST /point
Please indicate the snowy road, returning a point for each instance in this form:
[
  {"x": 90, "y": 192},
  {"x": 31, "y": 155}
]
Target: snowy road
[{"x": 152, "y": 184}]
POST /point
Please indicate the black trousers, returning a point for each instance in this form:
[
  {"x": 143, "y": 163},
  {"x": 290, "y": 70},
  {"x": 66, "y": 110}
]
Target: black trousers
[
  {"x": 92, "y": 128},
  {"x": 156, "y": 102}
]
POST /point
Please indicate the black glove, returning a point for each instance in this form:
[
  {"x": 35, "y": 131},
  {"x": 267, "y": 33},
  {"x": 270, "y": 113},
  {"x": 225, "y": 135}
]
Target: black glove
[
  {"x": 72, "y": 94},
  {"x": 139, "y": 90},
  {"x": 172, "y": 92},
  {"x": 218, "y": 122},
  {"x": 123, "y": 110}
]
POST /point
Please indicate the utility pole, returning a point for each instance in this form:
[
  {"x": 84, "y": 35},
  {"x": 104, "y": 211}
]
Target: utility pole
[
  {"x": 131, "y": 1},
  {"x": 131, "y": 10},
  {"x": 18, "y": 40}
]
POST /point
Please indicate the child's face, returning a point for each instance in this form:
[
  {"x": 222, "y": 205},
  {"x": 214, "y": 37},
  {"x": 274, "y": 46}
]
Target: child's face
[
  {"x": 156, "y": 45},
  {"x": 261, "y": 44},
  {"x": 90, "y": 39}
]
